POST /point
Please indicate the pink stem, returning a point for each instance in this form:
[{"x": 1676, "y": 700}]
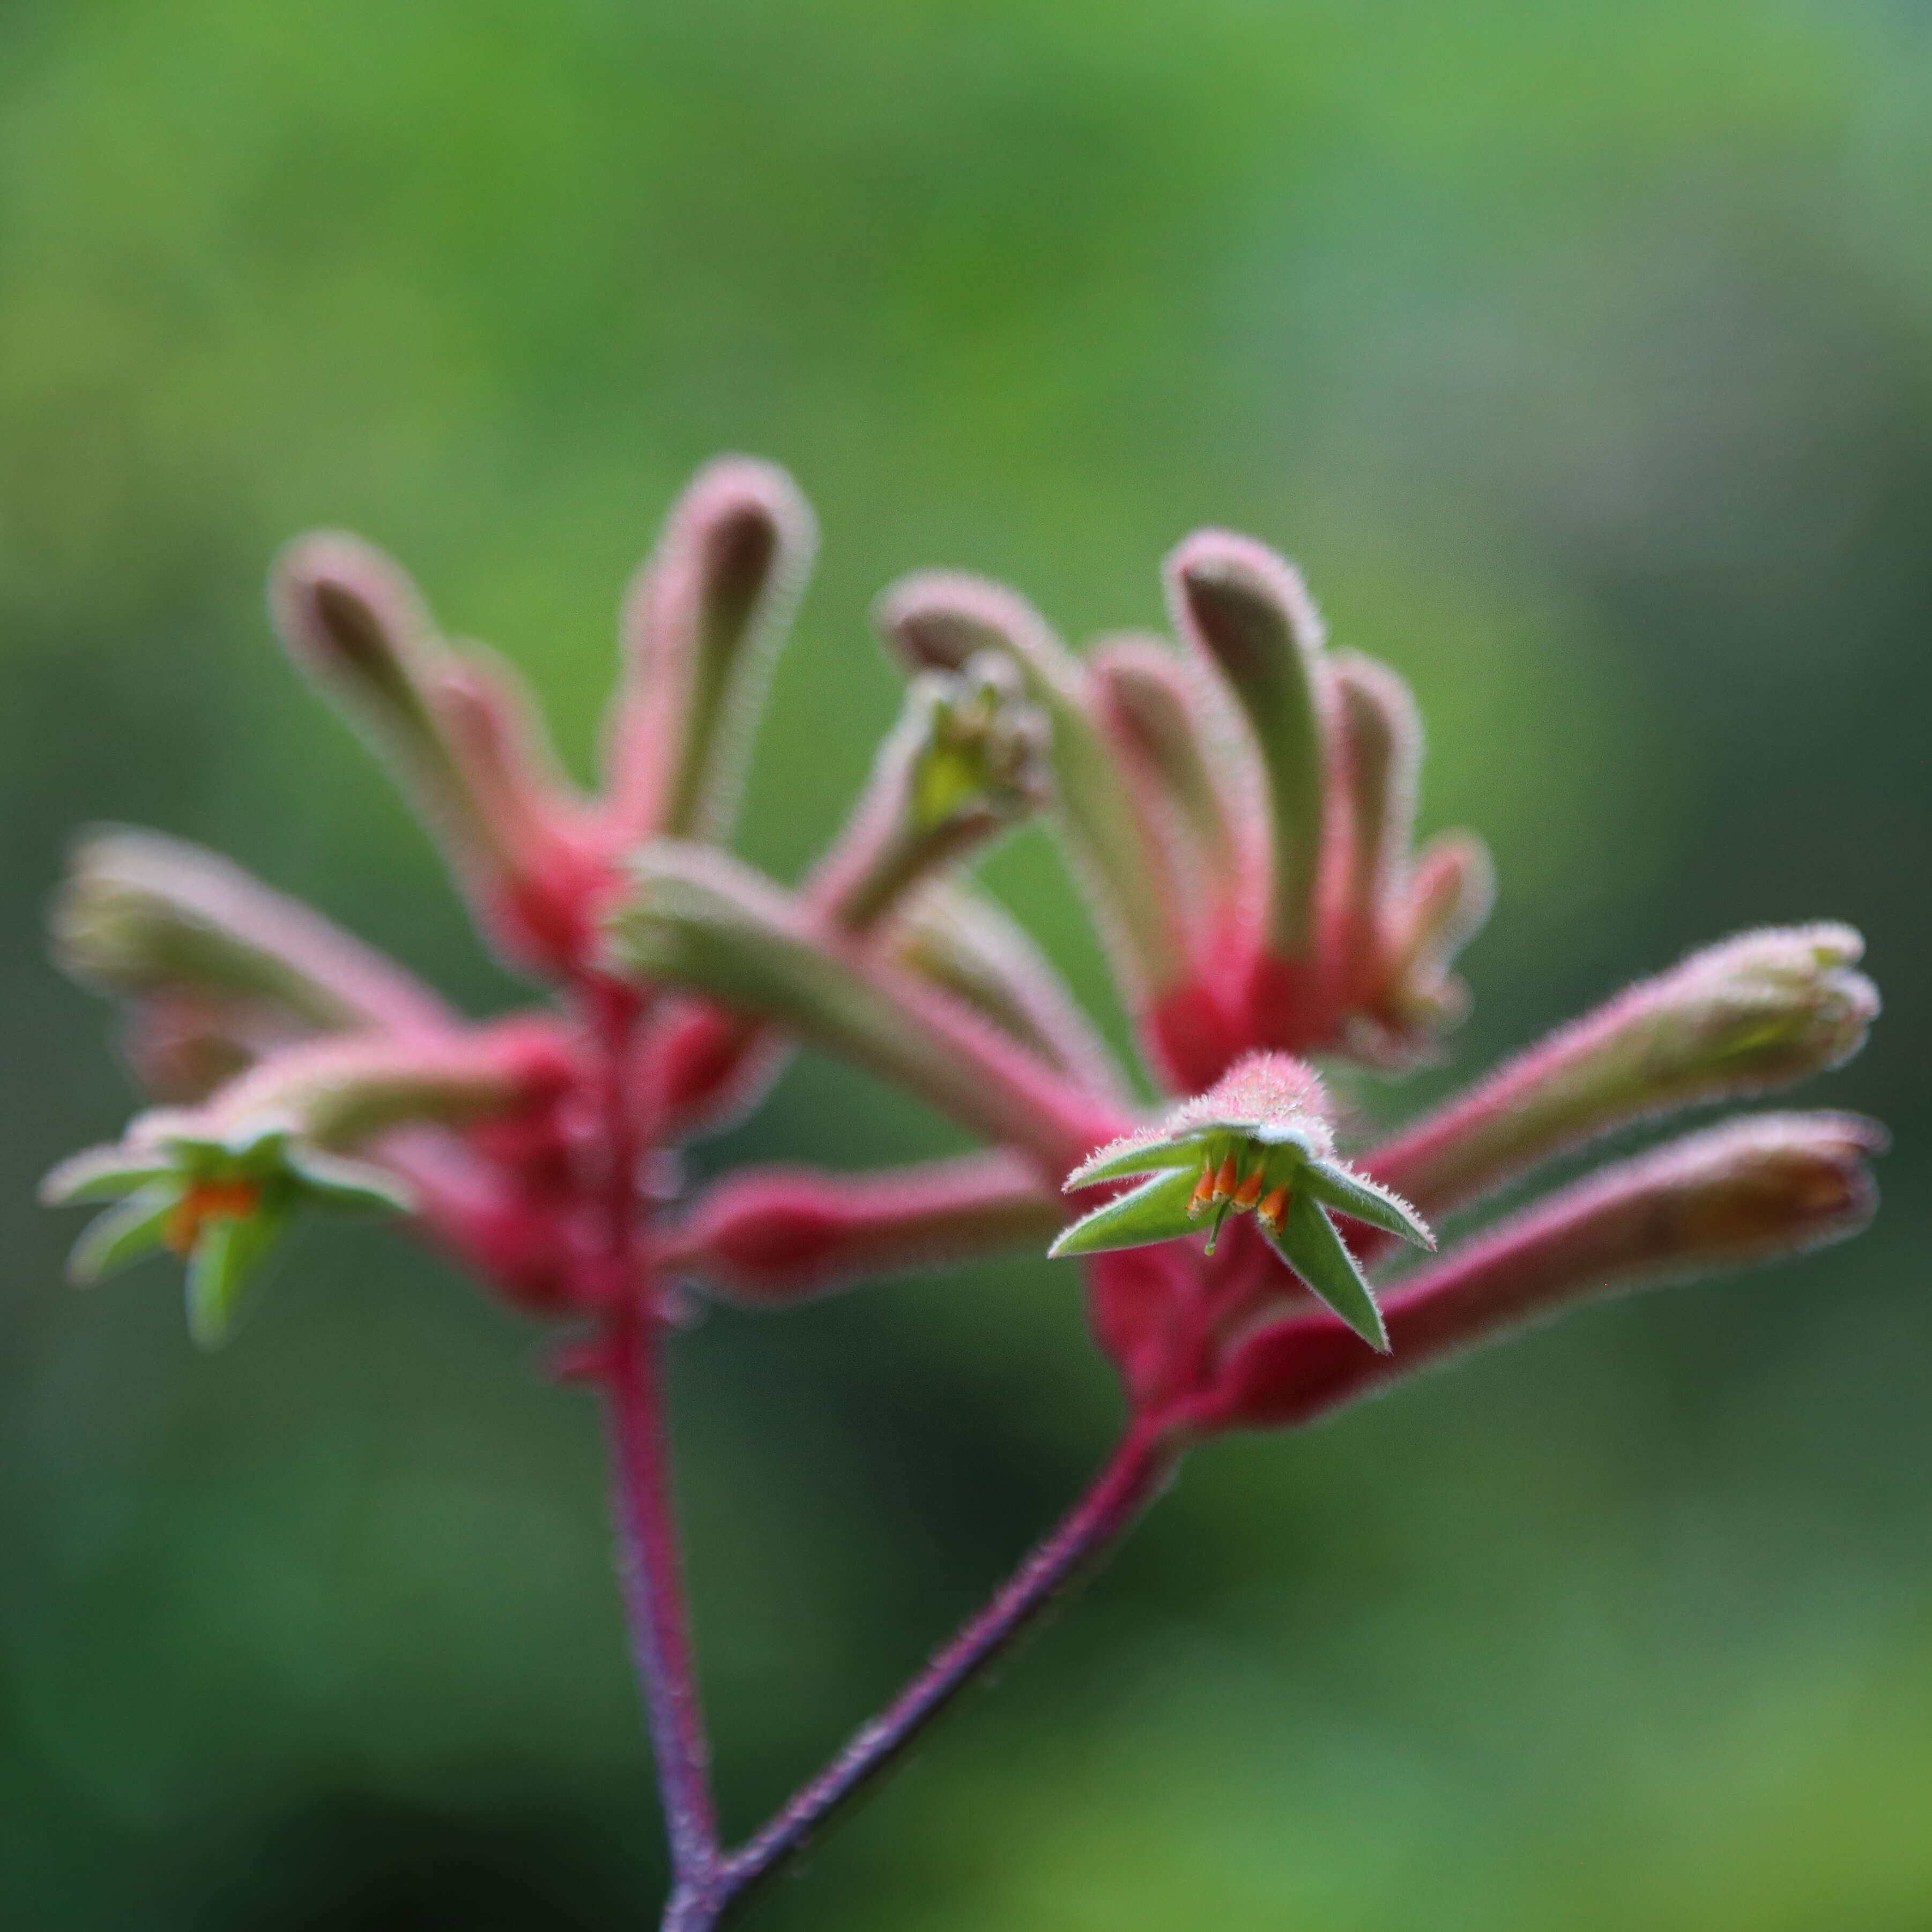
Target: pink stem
[
  {"x": 1139, "y": 1468},
  {"x": 654, "y": 1598},
  {"x": 632, "y": 1369}
]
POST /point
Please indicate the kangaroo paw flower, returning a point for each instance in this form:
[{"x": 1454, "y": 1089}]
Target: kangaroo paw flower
[
  {"x": 1259, "y": 1142},
  {"x": 1761, "y": 1011},
  {"x": 221, "y": 1199}
]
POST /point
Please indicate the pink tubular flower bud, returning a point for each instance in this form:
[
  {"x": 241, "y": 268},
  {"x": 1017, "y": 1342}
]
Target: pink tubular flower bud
[
  {"x": 777, "y": 1234},
  {"x": 1198, "y": 791},
  {"x": 966, "y": 762},
  {"x": 1391, "y": 925},
  {"x": 457, "y": 736},
  {"x": 698, "y": 920},
  {"x": 1760, "y": 1011},
  {"x": 353, "y": 621},
  {"x": 1247, "y": 612},
  {"x": 342, "y": 1093},
  {"x": 152, "y": 918},
  {"x": 1447, "y": 895},
  {"x": 702, "y": 622},
  {"x": 552, "y": 870},
  {"x": 967, "y": 943},
  {"x": 356, "y": 626},
  {"x": 1754, "y": 1188},
  {"x": 1186, "y": 754},
  {"x": 1380, "y": 744}
]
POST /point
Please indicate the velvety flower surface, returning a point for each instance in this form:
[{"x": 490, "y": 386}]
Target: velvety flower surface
[{"x": 1239, "y": 807}]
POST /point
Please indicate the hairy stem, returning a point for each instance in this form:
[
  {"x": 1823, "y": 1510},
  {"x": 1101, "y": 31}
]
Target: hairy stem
[
  {"x": 1139, "y": 1469},
  {"x": 654, "y": 1598},
  {"x": 633, "y": 1377}
]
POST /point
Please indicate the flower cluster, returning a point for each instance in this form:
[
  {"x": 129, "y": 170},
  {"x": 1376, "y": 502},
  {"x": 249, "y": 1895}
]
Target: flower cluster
[{"x": 1238, "y": 805}]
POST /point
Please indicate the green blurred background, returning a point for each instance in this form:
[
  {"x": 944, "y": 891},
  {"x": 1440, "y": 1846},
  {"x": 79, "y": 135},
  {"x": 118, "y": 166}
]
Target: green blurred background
[{"x": 1582, "y": 354}]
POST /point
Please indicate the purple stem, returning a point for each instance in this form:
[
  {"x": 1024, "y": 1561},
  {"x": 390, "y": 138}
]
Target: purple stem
[{"x": 1139, "y": 1468}]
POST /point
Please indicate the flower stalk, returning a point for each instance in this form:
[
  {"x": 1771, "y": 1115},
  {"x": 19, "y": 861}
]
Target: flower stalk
[
  {"x": 631, "y": 1361},
  {"x": 1140, "y": 1468}
]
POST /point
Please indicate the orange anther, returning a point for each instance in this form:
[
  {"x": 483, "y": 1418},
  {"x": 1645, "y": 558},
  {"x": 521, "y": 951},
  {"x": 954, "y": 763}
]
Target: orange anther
[
  {"x": 205, "y": 1202},
  {"x": 1249, "y": 1191},
  {"x": 1224, "y": 1181},
  {"x": 1274, "y": 1209},
  {"x": 1203, "y": 1191}
]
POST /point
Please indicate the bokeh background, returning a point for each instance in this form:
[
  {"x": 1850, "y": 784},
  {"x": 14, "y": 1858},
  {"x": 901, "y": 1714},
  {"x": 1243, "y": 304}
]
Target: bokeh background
[{"x": 1582, "y": 354}]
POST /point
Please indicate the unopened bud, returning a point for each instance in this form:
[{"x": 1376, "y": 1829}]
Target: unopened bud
[
  {"x": 702, "y": 623},
  {"x": 1247, "y": 611},
  {"x": 699, "y": 920},
  {"x": 1748, "y": 1191},
  {"x": 1758, "y": 1011},
  {"x": 463, "y": 739},
  {"x": 147, "y": 917},
  {"x": 341, "y": 1095},
  {"x": 777, "y": 1234},
  {"x": 534, "y": 901},
  {"x": 1450, "y": 893},
  {"x": 1160, "y": 716},
  {"x": 961, "y": 940},
  {"x": 354, "y": 622},
  {"x": 357, "y": 626},
  {"x": 1381, "y": 735}
]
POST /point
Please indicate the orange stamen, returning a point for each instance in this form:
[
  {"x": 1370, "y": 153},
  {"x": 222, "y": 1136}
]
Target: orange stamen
[
  {"x": 1203, "y": 1191},
  {"x": 207, "y": 1201},
  {"x": 1274, "y": 1209},
  {"x": 1224, "y": 1181},
  {"x": 1249, "y": 1191}
]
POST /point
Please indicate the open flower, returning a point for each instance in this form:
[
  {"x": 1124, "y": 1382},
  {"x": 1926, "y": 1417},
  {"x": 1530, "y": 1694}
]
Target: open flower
[
  {"x": 221, "y": 1198},
  {"x": 1257, "y": 1141}
]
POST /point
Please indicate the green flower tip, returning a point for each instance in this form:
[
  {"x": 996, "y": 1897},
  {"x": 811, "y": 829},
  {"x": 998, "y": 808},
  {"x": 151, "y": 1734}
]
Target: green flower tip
[
  {"x": 1259, "y": 1141},
  {"x": 219, "y": 1196},
  {"x": 983, "y": 748}
]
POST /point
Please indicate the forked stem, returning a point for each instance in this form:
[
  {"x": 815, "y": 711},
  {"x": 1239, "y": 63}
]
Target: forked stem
[{"x": 707, "y": 1883}]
